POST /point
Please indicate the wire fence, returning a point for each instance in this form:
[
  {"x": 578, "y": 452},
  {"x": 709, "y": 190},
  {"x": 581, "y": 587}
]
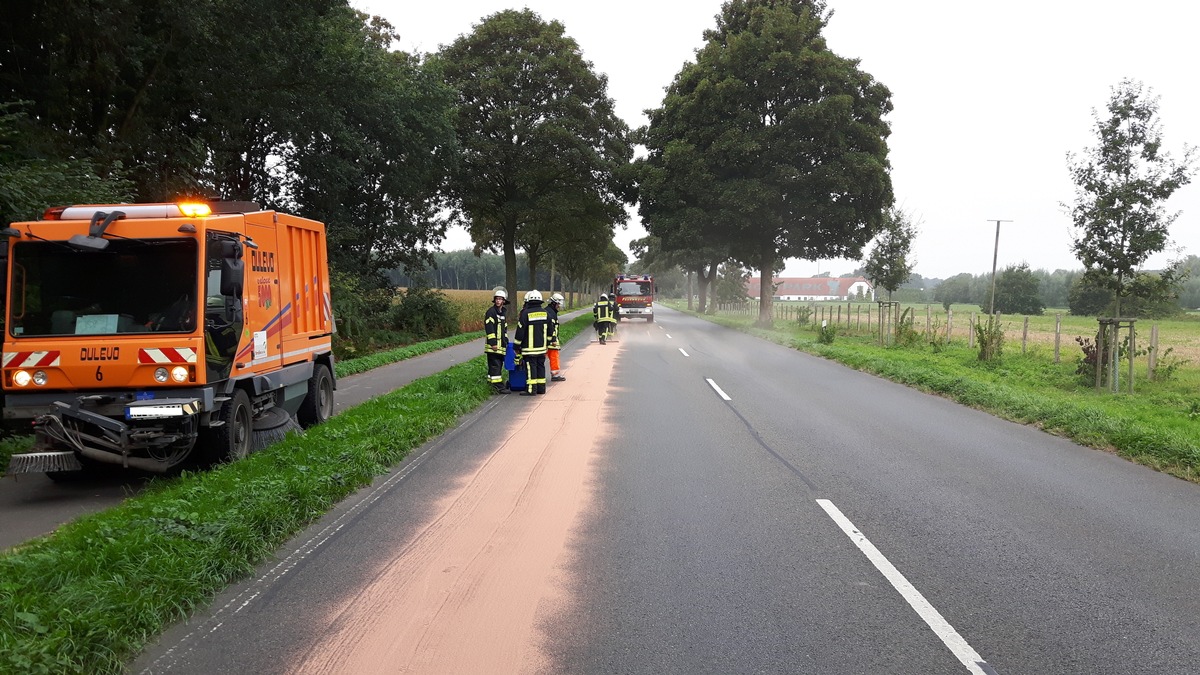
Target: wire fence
[{"x": 941, "y": 327}]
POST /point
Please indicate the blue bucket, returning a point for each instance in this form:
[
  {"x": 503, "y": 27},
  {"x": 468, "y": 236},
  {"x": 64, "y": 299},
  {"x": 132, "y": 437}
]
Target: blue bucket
[{"x": 516, "y": 376}]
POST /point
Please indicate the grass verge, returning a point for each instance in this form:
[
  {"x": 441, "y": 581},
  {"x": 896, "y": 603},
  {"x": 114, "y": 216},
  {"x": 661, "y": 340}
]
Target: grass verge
[
  {"x": 1158, "y": 427},
  {"x": 90, "y": 596}
]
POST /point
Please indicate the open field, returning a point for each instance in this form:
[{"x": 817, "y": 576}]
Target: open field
[
  {"x": 1179, "y": 335},
  {"x": 470, "y": 306}
]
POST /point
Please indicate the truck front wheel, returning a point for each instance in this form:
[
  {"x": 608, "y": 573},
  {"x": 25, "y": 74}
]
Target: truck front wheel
[
  {"x": 231, "y": 440},
  {"x": 318, "y": 404}
]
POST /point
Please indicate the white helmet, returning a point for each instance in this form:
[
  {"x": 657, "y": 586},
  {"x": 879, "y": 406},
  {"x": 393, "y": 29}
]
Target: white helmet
[
  {"x": 557, "y": 298},
  {"x": 533, "y": 295},
  {"x": 499, "y": 292},
  {"x": 604, "y": 296}
]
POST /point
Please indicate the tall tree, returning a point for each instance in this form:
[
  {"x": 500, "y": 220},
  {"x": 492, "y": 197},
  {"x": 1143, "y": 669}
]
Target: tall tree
[
  {"x": 538, "y": 132},
  {"x": 956, "y": 289},
  {"x": 1120, "y": 189},
  {"x": 374, "y": 167},
  {"x": 787, "y": 138},
  {"x": 1017, "y": 292},
  {"x": 890, "y": 263}
]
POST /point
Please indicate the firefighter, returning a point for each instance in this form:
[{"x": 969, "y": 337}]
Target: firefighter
[
  {"x": 530, "y": 343},
  {"x": 554, "y": 348},
  {"x": 495, "y": 346},
  {"x": 605, "y": 312}
]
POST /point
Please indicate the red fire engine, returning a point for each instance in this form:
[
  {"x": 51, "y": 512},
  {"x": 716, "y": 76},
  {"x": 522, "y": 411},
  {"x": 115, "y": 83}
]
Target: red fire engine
[{"x": 634, "y": 295}]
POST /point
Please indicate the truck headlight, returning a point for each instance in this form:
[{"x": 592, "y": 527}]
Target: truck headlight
[
  {"x": 22, "y": 378},
  {"x": 160, "y": 375},
  {"x": 179, "y": 374},
  {"x": 39, "y": 378}
]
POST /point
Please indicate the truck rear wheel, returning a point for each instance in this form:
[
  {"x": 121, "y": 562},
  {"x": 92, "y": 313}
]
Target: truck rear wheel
[
  {"x": 318, "y": 404},
  {"x": 231, "y": 440}
]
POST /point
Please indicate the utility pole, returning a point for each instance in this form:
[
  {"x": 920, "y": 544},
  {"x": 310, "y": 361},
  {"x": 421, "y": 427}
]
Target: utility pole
[{"x": 995, "y": 255}]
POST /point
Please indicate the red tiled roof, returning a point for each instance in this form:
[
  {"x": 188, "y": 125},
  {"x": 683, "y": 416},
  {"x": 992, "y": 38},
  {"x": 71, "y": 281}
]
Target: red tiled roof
[{"x": 815, "y": 286}]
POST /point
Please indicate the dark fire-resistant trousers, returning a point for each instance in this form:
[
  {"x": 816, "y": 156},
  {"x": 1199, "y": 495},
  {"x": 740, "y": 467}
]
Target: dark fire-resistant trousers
[{"x": 535, "y": 373}]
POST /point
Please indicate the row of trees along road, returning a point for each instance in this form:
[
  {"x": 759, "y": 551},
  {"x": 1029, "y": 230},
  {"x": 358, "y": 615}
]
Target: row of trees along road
[
  {"x": 769, "y": 146},
  {"x": 305, "y": 107}
]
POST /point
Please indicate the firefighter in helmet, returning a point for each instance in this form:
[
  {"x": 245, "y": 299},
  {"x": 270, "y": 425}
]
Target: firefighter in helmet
[
  {"x": 531, "y": 341},
  {"x": 554, "y": 348},
  {"x": 495, "y": 328},
  {"x": 605, "y": 314}
]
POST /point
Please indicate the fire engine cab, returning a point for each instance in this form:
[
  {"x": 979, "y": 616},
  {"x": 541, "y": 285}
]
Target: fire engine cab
[{"x": 634, "y": 294}]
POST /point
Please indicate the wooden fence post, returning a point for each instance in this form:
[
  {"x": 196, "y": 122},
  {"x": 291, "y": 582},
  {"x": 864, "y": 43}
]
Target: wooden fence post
[
  {"x": 1025, "y": 334},
  {"x": 1153, "y": 365},
  {"x": 1057, "y": 336},
  {"x": 971, "y": 332},
  {"x": 949, "y": 324},
  {"x": 928, "y": 323}
]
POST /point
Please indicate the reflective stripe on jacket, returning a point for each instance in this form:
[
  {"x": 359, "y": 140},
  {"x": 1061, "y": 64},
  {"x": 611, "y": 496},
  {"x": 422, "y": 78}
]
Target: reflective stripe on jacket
[
  {"x": 533, "y": 330},
  {"x": 495, "y": 329},
  {"x": 553, "y": 340},
  {"x": 605, "y": 310}
]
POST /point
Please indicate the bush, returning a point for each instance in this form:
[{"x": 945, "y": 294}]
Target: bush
[
  {"x": 991, "y": 338},
  {"x": 804, "y": 314},
  {"x": 826, "y": 333},
  {"x": 424, "y": 313},
  {"x": 906, "y": 332}
]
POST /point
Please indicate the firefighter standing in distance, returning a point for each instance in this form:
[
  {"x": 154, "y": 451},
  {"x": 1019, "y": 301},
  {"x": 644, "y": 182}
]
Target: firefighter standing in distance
[
  {"x": 554, "y": 348},
  {"x": 605, "y": 313},
  {"x": 495, "y": 346},
  {"x": 530, "y": 342}
]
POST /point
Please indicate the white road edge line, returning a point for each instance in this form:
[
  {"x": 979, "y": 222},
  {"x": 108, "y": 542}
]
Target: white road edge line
[
  {"x": 717, "y": 389},
  {"x": 683, "y": 352},
  {"x": 942, "y": 628}
]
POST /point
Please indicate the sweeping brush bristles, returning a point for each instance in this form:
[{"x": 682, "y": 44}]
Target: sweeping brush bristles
[
  {"x": 271, "y": 427},
  {"x": 41, "y": 462}
]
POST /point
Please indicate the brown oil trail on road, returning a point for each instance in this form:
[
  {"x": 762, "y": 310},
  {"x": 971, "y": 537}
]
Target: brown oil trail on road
[{"x": 466, "y": 595}]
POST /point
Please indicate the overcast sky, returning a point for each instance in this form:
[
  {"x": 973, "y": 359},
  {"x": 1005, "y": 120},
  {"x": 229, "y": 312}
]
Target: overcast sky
[{"x": 989, "y": 97}]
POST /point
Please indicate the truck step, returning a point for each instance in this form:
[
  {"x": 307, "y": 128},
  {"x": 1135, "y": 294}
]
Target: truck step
[{"x": 41, "y": 462}]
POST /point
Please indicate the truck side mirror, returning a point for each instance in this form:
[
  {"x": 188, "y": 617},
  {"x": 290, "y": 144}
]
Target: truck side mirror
[{"x": 233, "y": 276}]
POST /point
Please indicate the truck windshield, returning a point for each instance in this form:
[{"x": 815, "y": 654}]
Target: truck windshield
[
  {"x": 634, "y": 288},
  {"x": 132, "y": 286}
]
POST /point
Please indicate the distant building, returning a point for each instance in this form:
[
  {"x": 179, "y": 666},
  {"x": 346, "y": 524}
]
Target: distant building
[{"x": 817, "y": 288}]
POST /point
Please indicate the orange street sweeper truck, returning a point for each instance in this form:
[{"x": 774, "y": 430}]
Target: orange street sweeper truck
[{"x": 142, "y": 335}]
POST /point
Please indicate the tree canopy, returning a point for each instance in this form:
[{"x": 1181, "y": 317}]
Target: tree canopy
[
  {"x": 1121, "y": 185},
  {"x": 158, "y": 101},
  {"x": 1016, "y": 292},
  {"x": 770, "y": 145},
  {"x": 543, "y": 150},
  {"x": 890, "y": 263}
]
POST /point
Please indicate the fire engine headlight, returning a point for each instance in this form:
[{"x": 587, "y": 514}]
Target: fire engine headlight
[
  {"x": 179, "y": 374},
  {"x": 39, "y": 378},
  {"x": 22, "y": 378},
  {"x": 160, "y": 374}
]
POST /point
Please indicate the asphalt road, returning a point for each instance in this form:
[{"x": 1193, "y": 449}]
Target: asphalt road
[{"x": 759, "y": 510}]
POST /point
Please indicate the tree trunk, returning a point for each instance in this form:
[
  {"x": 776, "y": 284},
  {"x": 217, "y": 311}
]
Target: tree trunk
[
  {"x": 766, "y": 291},
  {"x": 689, "y": 290},
  {"x": 510, "y": 261}
]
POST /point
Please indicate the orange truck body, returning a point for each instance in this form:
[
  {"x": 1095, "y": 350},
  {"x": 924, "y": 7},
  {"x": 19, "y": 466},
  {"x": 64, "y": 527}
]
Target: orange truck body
[
  {"x": 634, "y": 295},
  {"x": 141, "y": 337}
]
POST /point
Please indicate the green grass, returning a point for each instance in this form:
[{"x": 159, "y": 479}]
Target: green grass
[
  {"x": 1158, "y": 425},
  {"x": 90, "y": 596}
]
